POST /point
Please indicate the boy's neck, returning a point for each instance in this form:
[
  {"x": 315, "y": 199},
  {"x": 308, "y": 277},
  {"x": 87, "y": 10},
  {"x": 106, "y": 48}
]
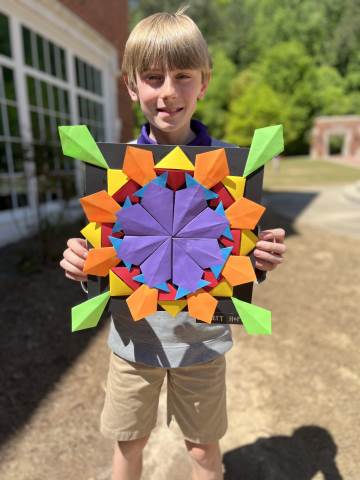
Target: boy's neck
[{"x": 171, "y": 138}]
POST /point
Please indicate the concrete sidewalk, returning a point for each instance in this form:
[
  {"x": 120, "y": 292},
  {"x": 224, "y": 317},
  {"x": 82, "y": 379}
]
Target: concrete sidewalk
[{"x": 335, "y": 209}]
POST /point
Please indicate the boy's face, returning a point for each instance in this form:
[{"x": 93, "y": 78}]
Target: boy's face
[{"x": 168, "y": 98}]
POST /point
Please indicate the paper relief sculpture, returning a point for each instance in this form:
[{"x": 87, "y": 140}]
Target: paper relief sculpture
[{"x": 172, "y": 228}]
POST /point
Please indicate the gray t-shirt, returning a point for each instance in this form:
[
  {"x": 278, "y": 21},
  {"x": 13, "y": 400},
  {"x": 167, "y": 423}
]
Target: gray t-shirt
[{"x": 161, "y": 340}]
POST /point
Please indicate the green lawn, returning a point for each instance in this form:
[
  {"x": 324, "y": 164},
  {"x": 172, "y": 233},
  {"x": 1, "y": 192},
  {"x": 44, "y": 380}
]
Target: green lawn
[{"x": 303, "y": 172}]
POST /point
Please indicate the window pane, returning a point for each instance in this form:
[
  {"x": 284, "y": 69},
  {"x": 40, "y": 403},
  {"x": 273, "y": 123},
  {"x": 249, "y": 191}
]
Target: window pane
[
  {"x": 3, "y": 161},
  {"x": 22, "y": 200},
  {"x": 18, "y": 157},
  {"x": 52, "y": 58},
  {"x": 66, "y": 99},
  {"x": 13, "y": 121},
  {"x": 31, "y": 90},
  {"x": 27, "y": 45},
  {"x": 35, "y": 125},
  {"x": 63, "y": 63},
  {"x": 56, "y": 99},
  {"x": 44, "y": 95},
  {"x": 1, "y": 121},
  {"x": 5, "y": 46},
  {"x": 47, "y": 127},
  {"x": 41, "y": 53},
  {"x": 9, "y": 84}
]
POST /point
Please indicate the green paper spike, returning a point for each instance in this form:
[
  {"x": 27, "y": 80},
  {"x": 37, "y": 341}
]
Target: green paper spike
[
  {"x": 77, "y": 142},
  {"x": 266, "y": 143},
  {"x": 87, "y": 314},
  {"x": 256, "y": 320}
]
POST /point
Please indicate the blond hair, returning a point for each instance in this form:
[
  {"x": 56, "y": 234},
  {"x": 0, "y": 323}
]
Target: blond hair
[{"x": 168, "y": 41}]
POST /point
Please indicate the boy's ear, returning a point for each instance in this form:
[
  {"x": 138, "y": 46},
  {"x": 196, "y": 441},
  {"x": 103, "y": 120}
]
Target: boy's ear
[
  {"x": 204, "y": 86},
  {"x": 133, "y": 93}
]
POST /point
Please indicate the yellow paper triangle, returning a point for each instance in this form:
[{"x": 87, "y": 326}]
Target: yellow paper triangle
[
  {"x": 173, "y": 306},
  {"x": 116, "y": 179},
  {"x": 92, "y": 233},
  {"x": 235, "y": 186},
  {"x": 175, "y": 160},
  {"x": 117, "y": 286},
  {"x": 223, "y": 289},
  {"x": 248, "y": 241}
]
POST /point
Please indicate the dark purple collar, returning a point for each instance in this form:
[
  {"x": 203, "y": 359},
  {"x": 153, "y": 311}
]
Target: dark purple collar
[{"x": 202, "y": 138}]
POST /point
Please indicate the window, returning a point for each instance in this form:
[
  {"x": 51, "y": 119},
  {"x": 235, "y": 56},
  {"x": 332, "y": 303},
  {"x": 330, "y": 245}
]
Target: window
[
  {"x": 91, "y": 113},
  {"x": 49, "y": 107},
  {"x": 90, "y": 106},
  {"x": 5, "y": 44},
  {"x": 43, "y": 54},
  {"x": 88, "y": 77},
  {"x": 12, "y": 179}
]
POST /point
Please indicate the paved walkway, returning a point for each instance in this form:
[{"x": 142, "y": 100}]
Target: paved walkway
[
  {"x": 292, "y": 398},
  {"x": 336, "y": 209}
]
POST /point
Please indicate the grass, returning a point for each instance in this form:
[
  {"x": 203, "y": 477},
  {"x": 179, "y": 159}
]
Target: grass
[{"x": 303, "y": 172}]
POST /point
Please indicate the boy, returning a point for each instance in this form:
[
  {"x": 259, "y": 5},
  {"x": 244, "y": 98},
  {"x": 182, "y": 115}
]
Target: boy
[{"x": 167, "y": 68}]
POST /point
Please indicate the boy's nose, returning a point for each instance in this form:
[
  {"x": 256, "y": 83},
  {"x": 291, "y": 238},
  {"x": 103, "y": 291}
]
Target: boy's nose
[{"x": 168, "y": 89}]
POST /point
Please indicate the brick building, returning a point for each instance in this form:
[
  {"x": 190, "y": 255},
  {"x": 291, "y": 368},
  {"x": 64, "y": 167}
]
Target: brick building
[{"x": 59, "y": 65}]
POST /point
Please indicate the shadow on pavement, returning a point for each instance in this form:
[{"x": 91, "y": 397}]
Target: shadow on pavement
[
  {"x": 309, "y": 450},
  {"x": 36, "y": 343},
  {"x": 288, "y": 203}
]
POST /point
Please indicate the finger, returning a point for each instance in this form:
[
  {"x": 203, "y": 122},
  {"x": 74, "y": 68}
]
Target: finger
[
  {"x": 74, "y": 277},
  {"x": 272, "y": 247},
  {"x": 74, "y": 259},
  {"x": 264, "y": 266},
  {"x": 267, "y": 257},
  {"x": 72, "y": 269},
  {"x": 276, "y": 233},
  {"x": 78, "y": 246}
]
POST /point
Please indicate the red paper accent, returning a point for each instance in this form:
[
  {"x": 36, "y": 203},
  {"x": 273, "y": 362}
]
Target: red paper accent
[
  {"x": 210, "y": 277},
  {"x": 127, "y": 190},
  {"x": 176, "y": 178},
  {"x": 106, "y": 230},
  {"x": 233, "y": 243},
  {"x": 224, "y": 196},
  {"x": 127, "y": 277},
  {"x": 168, "y": 295}
]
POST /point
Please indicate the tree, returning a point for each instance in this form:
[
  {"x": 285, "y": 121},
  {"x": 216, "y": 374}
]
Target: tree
[{"x": 213, "y": 110}]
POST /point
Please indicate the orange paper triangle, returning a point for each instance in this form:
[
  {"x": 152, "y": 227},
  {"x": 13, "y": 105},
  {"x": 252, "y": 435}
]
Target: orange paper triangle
[
  {"x": 143, "y": 302},
  {"x": 211, "y": 167},
  {"x": 244, "y": 213},
  {"x": 100, "y": 207},
  {"x": 100, "y": 260},
  {"x": 202, "y": 305},
  {"x": 139, "y": 165},
  {"x": 238, "y": 270}
]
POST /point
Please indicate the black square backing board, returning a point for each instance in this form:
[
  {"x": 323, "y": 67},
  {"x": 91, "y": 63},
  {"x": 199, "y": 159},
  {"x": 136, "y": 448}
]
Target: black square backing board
[{"x": 96, "y": 180}]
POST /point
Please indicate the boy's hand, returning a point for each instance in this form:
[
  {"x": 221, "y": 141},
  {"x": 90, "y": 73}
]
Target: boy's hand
[
  {"x": 74, "y": 259},
  {"x": 270, "y": 249}
]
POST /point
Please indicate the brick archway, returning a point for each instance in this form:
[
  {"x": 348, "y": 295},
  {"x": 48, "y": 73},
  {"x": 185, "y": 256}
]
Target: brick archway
[{"x": 348, "y": 127}]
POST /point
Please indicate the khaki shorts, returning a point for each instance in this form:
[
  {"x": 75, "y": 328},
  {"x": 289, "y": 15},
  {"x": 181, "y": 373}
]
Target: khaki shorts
[{"x": 196, "y": 398}]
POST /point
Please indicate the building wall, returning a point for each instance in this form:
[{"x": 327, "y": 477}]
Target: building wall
[
  {"x": 110, "y": 19},
  {"x": 55, "y": 69}
]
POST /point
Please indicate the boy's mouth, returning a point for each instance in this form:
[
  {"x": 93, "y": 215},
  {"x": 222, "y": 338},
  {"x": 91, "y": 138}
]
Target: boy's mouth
[{"x": 170, "y": 111}]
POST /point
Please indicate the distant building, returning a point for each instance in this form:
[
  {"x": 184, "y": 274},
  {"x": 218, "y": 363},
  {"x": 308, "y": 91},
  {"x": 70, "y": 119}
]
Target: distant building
[
  {"x": 337, "y": 138},
  {"x": 59, "y": 65}
]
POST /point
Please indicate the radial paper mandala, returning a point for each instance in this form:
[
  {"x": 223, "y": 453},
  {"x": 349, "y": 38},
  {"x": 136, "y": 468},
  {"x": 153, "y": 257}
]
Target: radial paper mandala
[{"x": 172, "y": 235}]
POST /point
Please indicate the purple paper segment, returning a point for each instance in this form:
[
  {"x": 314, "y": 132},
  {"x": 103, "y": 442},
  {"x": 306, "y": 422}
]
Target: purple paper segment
[
  {"x": 189, "y": 202},
  {"x": 137, "y": 249},
  {"x": 135, "y": 220},
  {"x": 208, "y": 224},
  {"x": 186, "y": 272},
  {"x": 157, "y": 268},
  {"x": 159, "y": 202},
  {"x": 205, "y": 251}
]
